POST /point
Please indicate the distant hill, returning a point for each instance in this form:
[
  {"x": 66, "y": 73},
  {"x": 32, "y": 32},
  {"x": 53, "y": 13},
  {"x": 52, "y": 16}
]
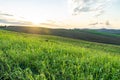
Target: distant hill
[
  {"x": 109, "y": 31},
  {"x": 108, "y": 36},
  {"x": 105, "y": 32}
]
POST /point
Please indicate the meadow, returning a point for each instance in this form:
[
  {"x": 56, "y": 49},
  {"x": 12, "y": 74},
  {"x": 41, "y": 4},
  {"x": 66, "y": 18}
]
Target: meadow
[
  {"x": 106, "y": 36},
  {"x": 44, "y": 57}
]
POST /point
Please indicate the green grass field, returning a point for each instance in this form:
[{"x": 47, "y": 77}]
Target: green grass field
[
  {"x": 43, "y": 57},
  {"x": 106, "y": 36}
]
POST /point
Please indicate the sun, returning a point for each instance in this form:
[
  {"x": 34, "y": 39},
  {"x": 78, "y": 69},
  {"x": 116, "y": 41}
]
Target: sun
[{"x": 37, "y": 21}]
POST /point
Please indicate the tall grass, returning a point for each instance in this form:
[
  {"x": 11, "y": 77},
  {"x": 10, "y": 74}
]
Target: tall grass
[{"x": 39, "y": 57}]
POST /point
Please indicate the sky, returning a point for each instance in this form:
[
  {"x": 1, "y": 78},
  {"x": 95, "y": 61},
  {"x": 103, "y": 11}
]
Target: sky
[{"x": 61, "y": 13}]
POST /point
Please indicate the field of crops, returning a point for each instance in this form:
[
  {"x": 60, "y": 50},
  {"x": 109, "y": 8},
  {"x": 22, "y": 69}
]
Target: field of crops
[{"x": 43, "y": 57}]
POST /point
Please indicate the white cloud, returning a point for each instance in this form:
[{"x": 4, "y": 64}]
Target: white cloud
[
  {"x": 88, "y": 6},
  {"x": 9, "y": 19}
]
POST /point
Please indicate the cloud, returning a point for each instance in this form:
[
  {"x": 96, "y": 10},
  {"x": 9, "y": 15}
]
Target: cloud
[
  {"x": 10, "y": 19},
  {"x": 52, "y": 23},
  {"x": 88, "y": 6},
  {"x": 106, "y": 23},
  {"x": 5, "y": 14},
  {"x": 14, "y": 22},
  {"x": 96, "y": 23}
]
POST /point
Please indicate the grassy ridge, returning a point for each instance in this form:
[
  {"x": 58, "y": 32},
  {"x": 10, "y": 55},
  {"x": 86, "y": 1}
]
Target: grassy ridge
[
  {"x": 82, "y": 34},
  {"x": 39, "y": 57},
  {"x": 103, "y": 33}
]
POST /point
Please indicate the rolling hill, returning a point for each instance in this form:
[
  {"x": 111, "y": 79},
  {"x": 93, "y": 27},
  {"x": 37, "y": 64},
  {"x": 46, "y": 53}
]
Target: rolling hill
[
  {"x": 107, "y": 36},
  {"x": 46, "y": 57}
]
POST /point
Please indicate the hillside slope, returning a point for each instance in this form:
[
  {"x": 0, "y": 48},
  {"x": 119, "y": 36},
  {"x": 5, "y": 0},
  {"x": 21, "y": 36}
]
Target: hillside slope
[
  {"x": 44, "y": 57},
  {"x": 108, "y": 37}
]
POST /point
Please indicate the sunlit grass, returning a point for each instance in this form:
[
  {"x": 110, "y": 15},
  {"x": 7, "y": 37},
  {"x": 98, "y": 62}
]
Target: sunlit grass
[{"x": 39, "y": 57}]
